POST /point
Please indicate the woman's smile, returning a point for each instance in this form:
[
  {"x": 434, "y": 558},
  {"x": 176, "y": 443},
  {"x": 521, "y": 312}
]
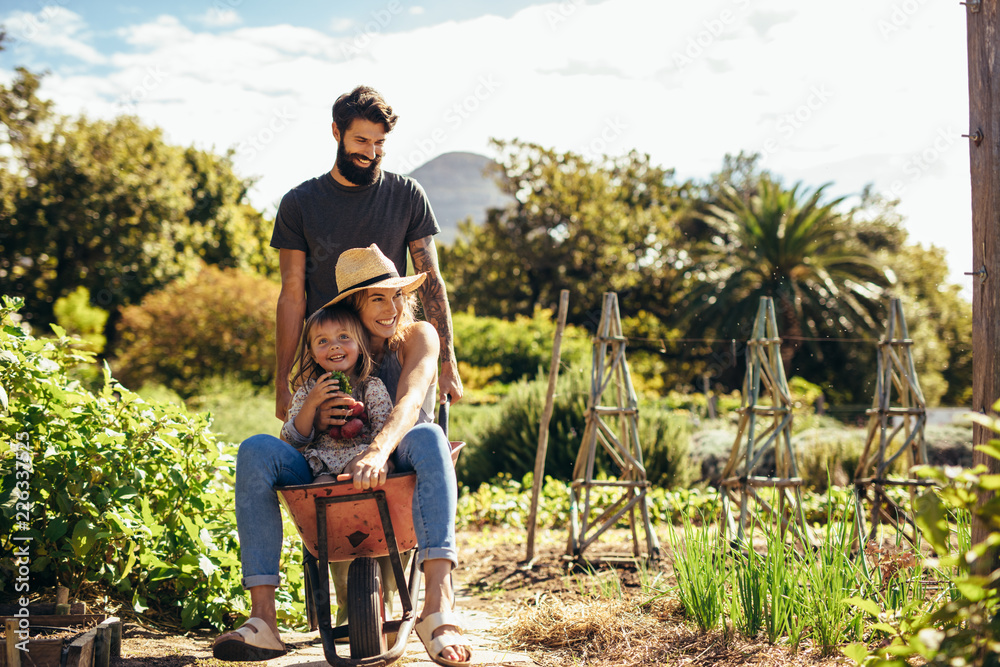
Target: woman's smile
[{"x": 380, "y": 311}]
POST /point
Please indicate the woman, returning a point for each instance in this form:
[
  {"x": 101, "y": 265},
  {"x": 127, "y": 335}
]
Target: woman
[{"x": 407, "y": 352}]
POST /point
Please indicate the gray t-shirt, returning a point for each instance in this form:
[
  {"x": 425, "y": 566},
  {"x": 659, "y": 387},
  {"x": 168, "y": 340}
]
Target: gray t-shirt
[{"x": 323, "y": 218}]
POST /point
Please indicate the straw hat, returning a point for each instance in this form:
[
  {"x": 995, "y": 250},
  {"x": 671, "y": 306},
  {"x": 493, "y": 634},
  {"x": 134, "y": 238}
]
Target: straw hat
[{"x": 368, "y": 268}]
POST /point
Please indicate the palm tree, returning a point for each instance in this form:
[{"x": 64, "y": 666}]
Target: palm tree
[{"x": 789, "y": 245}]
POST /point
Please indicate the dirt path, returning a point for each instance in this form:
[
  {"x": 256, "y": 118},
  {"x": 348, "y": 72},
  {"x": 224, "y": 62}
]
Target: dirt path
[{"x": 477, "y": 601}]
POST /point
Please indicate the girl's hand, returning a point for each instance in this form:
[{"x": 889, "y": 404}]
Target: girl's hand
[
  {"x": 334, "y": 410},
  {"x": 324, "y": 388}
]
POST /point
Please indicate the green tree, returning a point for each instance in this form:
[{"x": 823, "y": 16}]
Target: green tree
[
  {"x": 110, "y": 206},
  {"x": 790, "y": 245},
  {"x": 587, "y": 226},
  {"x": 940, "y": 323}
]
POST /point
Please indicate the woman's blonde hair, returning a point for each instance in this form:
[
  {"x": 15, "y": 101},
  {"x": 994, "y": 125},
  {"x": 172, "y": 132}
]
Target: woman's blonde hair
[
  {"x": 305, "y": 367},
  {"x": 406, "y": 317}
]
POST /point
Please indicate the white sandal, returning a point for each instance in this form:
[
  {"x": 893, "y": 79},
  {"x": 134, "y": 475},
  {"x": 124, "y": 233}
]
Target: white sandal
[
  {"x": 259, "y": 643},
  {"x": 435, "y": 645}
]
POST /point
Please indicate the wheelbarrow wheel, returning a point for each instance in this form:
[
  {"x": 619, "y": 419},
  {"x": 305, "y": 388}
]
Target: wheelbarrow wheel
[{"x": 365, "y": 609}]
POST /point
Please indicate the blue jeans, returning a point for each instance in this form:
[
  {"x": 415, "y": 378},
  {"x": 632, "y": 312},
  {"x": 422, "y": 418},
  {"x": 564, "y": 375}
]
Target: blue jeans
[{"x": 265, "y": 462}]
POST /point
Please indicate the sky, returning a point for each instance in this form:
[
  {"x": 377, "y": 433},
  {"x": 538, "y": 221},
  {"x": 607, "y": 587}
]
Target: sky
[{"x": 846, "y": 93}]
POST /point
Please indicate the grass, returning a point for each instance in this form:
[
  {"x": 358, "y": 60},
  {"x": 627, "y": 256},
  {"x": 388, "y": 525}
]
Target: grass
[{"x": 700, "y": 566}]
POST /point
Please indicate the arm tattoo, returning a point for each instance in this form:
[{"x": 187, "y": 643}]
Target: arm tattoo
[{"x": 432, "y": 292}]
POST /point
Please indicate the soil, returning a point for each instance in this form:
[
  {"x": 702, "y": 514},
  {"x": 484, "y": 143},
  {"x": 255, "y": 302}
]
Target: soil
[{"x": 493, "y": 578}]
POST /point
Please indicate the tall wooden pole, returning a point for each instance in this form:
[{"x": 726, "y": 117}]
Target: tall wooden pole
[
  {"x": 983, "y": 21},
  {"x": 543, "y": 428}
]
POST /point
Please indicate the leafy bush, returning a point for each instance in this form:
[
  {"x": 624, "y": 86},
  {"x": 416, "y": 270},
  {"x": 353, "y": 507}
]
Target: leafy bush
[
  {"x": 506, "y": 440},
  {"x": 110, "y": 493},
  {"x": 523, "y": 346},
  {"x": 78, "y": 317},
  {"x": 965, "y": 629},
  {"x": 221, "y": 323}
]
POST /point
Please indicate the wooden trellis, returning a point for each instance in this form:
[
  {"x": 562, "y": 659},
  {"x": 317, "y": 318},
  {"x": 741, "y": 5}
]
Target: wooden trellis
[
  {"x": 766, "y": 403},
  {"x": 609, "y": 365},
  {"x": 889, "y": 417}
]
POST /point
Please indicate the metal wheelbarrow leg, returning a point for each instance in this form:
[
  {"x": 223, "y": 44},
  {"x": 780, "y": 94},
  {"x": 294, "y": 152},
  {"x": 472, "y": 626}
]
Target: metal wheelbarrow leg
[{"x": 365, "y": 596}]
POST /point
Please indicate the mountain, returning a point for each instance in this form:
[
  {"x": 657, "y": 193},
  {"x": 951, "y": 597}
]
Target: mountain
[{"x": 458, "y": 188}]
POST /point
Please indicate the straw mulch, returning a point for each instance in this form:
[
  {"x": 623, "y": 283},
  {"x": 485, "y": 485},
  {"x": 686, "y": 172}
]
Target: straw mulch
[{"x": 617, "y": 632}]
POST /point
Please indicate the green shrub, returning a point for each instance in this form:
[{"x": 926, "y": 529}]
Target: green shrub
[
  {"x": 221, "y": 323},
  {"x": 113, "y": 494},
  {"x": 78, "y": 317},
  {"x": 962, "y": 628},
  {"x": 665, "y": 438},
  {"x": 506, "y": 440},
  {"x": 828, "y": 455},
  {"x": 522, "y": 346}
]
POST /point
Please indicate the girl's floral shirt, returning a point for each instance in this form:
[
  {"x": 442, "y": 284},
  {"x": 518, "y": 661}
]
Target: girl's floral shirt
[{"x": 330, "y": 456}]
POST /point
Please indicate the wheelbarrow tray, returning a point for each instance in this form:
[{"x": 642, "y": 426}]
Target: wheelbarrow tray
[{"x": 355, "y": 528}]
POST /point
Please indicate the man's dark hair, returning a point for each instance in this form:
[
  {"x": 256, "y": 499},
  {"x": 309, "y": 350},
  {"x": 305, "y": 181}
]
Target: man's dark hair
[{"x": 363, "y": 102}]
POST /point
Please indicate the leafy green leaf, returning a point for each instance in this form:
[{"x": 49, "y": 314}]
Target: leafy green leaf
[
  {"x": 84, "y": 538},
  {"x": 56, "y": 528},
  {"x": 864, "y": 604},
  {"x": 147, "y": 518},
  {"x": 973, "y": 588},
  {"x": 992, "y": 448},
  {"x": 932, "y": 519},
  {"x": 884, "y": 627},
  {"x": 857, "y": 652},
  {"x": 990, "y": 482}
]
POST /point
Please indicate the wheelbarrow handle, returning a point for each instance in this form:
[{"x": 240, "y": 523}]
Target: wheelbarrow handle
[{"x": 443, "y": 415}]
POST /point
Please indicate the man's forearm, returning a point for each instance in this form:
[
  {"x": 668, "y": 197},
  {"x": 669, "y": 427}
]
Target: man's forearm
[
  {"x": 288, "y": 329},
  {"x": 438, "y": 313},
  {"x": 433, "y": 294}
]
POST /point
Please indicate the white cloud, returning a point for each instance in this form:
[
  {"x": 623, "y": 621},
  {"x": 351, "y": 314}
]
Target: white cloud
[
  {"x": 220, "y": 18},
  {"x": 416, "y": 10},
  {"x": 823, "y": 89},
  {"x": 165, "y": 31},
  {"x": 53, "y": 28},
  {"x": 341, "y": 24}
]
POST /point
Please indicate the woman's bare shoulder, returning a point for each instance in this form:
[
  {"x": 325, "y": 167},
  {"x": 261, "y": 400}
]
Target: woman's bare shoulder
[
  {"x": 419, "y": 331},
  {"x": 419, "y": 339}
]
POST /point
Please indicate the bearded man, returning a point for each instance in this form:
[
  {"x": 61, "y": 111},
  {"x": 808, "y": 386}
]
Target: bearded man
[{"x": 353, "y": 205}]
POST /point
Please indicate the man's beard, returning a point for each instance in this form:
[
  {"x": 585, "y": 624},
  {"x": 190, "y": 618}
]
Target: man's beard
[{"x": 352, "y": 172}]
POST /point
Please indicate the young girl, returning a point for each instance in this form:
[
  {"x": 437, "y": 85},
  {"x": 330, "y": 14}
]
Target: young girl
[{"x": 333, "y": 339}]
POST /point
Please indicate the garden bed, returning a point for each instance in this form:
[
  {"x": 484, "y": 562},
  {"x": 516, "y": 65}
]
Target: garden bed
[{"x": 64, "y": 640}]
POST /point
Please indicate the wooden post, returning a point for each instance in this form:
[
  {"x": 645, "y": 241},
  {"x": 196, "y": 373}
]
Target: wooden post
[
  {"x": 102, "y": 646},
  {"x": 62, "y": 600},
  {"x": 710, "y": 400},
  {"x": 13, "y": 653},
  {"x": 543, "y": 428},
  {"x": 983, "y": 23}
]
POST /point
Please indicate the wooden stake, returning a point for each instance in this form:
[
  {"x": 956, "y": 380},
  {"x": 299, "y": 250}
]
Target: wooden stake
[
  {"x": 983, "y": 21},
  {"x": 13, "y": 653},
  {"x": 62, "y": 600},
  {"x": 543, "y": 427}
]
